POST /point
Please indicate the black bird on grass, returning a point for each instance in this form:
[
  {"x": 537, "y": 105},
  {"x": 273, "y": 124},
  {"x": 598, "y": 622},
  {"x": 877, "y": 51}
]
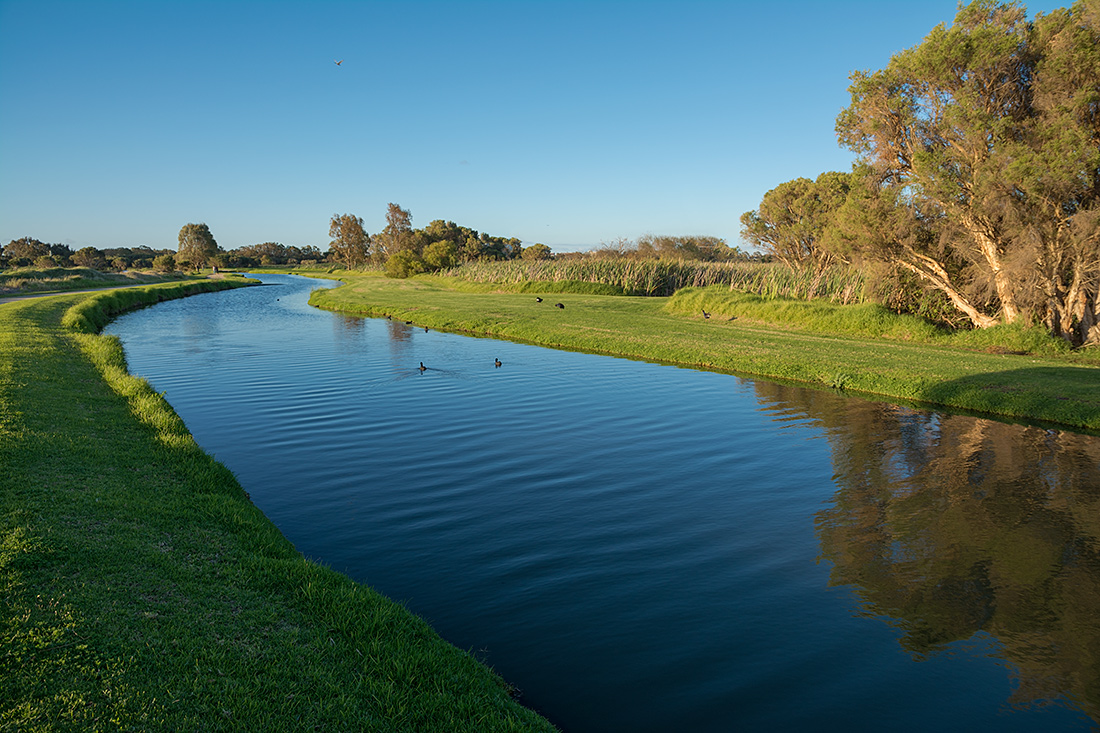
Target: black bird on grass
[
  {"x": 408, "y": 323},
  {"x": 706, "y": 315},
  {"x": 559, "y": 305},
  {"x": 497, "y": 362},
  {"x": 538, "y": 300}
]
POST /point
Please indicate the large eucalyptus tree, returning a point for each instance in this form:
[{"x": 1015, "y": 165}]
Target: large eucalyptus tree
[{"x": 981, "y": 146}]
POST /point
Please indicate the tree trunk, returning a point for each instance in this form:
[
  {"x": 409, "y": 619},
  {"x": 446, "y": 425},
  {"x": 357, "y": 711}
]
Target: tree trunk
[
  {"x": 933, "y": 272},
  {"x": 1001, "y": 282},
  {"x": 1088, "y": 325}
]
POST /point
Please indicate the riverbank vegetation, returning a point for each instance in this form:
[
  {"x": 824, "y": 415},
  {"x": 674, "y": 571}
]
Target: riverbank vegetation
[
  {"x": 140, "y": 589},
  {"x": 1012, "y": 372}
]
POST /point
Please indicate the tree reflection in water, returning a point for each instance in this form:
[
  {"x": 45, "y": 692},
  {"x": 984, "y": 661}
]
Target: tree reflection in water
[{"x": 950, "y": 525}]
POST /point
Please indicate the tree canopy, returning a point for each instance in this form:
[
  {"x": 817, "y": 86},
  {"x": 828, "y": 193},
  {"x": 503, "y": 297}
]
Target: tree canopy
[
  {"x": 794, "y": 218},
  {"x": 25, "y": 250},
  {"x": 679, "y": 247},
  {"x": 350, "y": 243},
  {"x": 979, "y": 161},
  {"x": 397, "y": 235},
  {"x": 196, "y": 245}
]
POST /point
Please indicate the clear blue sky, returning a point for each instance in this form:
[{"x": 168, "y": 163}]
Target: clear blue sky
[{"x": 567, "y": 123}]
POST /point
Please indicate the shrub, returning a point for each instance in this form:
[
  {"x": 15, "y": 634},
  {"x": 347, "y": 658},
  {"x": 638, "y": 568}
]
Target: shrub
[
  {"x": 441, "y": 255},
  {"x": 404, "y": 263}
]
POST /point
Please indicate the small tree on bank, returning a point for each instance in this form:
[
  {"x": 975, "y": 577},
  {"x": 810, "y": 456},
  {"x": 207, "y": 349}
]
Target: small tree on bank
[
  {"x": 350, "y": 243},
  {"x": 196, "y": 245}
]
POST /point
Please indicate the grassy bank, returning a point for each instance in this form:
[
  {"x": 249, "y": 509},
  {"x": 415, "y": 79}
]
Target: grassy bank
[
  {"x": 140, "y": 589},
  {"x": 1059, "y": 388}
]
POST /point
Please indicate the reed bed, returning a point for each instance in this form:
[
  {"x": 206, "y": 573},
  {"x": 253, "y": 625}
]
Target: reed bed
[{"x": 665, "y": 277}]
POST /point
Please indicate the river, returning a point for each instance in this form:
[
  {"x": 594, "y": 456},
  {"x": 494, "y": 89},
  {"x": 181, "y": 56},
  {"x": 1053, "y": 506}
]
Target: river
[{"x": 640, "y": 547}]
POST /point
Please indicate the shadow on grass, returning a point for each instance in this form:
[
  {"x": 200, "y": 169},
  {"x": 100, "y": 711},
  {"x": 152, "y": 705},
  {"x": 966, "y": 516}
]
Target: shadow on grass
[{"x": 1069, "y": 396}]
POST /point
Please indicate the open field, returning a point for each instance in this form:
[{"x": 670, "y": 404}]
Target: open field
[
  {"x": 140, "y": 589},
  {"x": 982, "y": 377}
]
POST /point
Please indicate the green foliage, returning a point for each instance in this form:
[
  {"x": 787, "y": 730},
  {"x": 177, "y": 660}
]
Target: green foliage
[
  {"x": 537, "y": 251},
  {"x": 164, "y": 263},
  {"x": 196, "y": 245},
  {"x": 89, "y": 257},
  {"x": 441, "y": 255},
  {"x": 350, "y": 243},
  {"x": 794, "y": 219},
  {"x": 23, "y": 252},
  {"x": 404, "y": 263},
  {"x": 980, "y": 163},
  {"x": 273, "y": 253},
  {"x": 705, "y": 248}
]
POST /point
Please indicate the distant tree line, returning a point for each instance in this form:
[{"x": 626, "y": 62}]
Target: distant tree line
[
  {"x": 656, "y": 247},
  {"x": 399, "y": 248},
  {"x": 404, "y": 251},
  {"x": 30, "y": 252},
  {"x": 977, "y": 177}
]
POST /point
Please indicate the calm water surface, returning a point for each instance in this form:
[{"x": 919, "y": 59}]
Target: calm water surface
[{"x": 639, "y": 547}]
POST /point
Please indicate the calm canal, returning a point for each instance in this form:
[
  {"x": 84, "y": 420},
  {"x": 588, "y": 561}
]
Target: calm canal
[{"x": 640, "y": 547}]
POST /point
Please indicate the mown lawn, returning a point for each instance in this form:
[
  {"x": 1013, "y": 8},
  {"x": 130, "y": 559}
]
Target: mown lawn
[
  {"x": 140, "y": 589},
  {"x": 1057, "y": 389}
]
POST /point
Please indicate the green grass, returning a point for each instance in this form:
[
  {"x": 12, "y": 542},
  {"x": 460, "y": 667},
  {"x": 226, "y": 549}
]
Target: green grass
[
  {"x": 140, "y": 589},
  {"x": 1053, "y": 387}
]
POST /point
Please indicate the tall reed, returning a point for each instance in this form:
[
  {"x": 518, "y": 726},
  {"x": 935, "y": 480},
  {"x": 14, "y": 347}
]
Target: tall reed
[{"x": 664, "y": 277}]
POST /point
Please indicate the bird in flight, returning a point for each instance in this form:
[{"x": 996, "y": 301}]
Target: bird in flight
[{"x": 338, "y": 62}]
